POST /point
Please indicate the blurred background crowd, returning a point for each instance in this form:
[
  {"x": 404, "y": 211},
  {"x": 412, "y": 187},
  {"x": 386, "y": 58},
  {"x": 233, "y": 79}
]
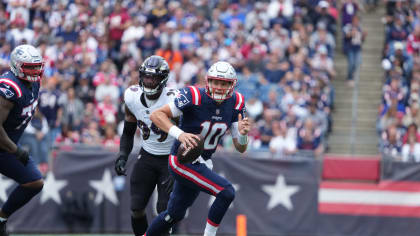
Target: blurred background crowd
[
  {"x": 282, "y": 50},
  {"x": 399, "y": 115}
]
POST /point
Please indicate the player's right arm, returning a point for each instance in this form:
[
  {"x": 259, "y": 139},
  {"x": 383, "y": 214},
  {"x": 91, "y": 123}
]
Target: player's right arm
[
  {"x": 162, "y": 118},
  {"x": 6, "y": 144}
]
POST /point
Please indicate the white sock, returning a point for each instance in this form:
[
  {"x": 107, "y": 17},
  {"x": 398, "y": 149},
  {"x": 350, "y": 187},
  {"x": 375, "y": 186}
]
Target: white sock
[
  {"x": 3, "y": 219},
  {"x": 211, "y": 229}
]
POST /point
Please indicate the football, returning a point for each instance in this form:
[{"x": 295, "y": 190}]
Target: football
[{"x": 189, "y": 154}]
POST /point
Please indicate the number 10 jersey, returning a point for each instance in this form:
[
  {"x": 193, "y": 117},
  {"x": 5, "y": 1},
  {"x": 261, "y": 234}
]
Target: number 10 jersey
[{"x": 155, "y": 141}]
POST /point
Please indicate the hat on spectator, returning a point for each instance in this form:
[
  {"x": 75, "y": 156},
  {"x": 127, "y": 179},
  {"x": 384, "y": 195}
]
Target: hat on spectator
[{"x": 323, "y": 4}]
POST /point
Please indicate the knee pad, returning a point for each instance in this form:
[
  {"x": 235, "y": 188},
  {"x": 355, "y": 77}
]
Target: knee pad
[
  {"x": 138, "y": 213},
  {"x": 227, "y": 193}
]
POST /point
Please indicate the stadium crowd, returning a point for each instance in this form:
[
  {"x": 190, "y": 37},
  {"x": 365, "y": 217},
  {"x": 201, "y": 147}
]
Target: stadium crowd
[
  {"x": 399, "y": 115},
  {"x": 282, "y": 50}
]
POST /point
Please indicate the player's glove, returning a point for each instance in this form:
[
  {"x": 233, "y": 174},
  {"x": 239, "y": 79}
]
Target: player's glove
[
  {"x": 22, "y": 155},
  {"x": 120, "y": 165}
]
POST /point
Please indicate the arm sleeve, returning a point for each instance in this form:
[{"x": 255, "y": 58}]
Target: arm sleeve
[
  {"x": 234, "y": 130},
  {"x": 127, "y": 138}
]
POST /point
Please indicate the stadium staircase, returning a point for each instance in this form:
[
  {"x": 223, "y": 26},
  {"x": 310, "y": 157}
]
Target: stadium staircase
[{"x": 368, "y": 94}]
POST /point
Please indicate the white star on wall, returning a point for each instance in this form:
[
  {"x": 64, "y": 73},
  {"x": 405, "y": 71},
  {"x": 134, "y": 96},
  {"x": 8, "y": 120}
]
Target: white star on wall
[
  {"x": 104, "y": 187},
  {"x": 280, "y": 193},
  {"x": 52, "y": 188},
  {"x": 5, "y": 183},
  {"x": 235, "y": 186}
]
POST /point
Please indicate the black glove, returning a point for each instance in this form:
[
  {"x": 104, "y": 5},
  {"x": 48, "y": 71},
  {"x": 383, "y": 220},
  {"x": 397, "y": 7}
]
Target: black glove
[
  {"x": 120, "y": 165},
  {"x": 168, "y": 184},
  {"x": 22, "y": 155}
]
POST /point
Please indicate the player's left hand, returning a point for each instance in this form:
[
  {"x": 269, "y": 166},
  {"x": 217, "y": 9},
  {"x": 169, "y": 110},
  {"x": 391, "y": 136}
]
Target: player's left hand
[
  {"x": 120, "y": 165},
  {"x": 244, "y": 125}
]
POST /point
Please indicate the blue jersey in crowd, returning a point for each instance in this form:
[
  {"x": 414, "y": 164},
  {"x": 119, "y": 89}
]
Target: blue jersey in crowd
[
  {"x": 49, "y": 105},
  {"x": 203, "y": 115},
  {"x": 25, "y": 101}
]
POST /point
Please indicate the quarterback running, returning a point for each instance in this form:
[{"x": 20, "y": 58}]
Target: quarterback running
[{"x": 208, "y": 112}]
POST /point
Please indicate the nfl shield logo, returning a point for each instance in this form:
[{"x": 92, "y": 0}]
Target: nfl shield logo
[{"x": 217, "y": 111}]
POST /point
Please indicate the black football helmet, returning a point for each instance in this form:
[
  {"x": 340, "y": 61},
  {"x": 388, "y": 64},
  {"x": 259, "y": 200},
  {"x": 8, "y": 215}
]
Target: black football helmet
[{"x": 154, "y": 74}]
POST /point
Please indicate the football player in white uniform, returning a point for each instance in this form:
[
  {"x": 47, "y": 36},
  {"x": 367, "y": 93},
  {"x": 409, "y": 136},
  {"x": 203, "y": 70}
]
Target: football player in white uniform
[{"x": 151, "y": 168}]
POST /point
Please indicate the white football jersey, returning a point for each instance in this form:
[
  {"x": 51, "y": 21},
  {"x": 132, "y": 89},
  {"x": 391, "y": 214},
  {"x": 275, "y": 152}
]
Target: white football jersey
[{"x": 155, "y": 141}]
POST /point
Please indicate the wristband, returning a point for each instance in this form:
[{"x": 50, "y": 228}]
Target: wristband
[
  {"x": 175, "y": 132},
  {"x": 243, "y": 139}
]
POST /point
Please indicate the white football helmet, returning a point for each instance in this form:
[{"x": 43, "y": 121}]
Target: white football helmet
[
  {"x": 224, "y": 71},
  {"x": 26, "y": 63}
]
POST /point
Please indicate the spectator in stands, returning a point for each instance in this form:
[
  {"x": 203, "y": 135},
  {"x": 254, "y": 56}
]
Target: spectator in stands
[
  {"x": 107, "y": 88},
  {"x": 118, "y": 21},
  {"x": 266, "y": 128},
  {"x": 91, "y": 135},
  {"x": 67, "y": 136},
  {"x": 322, "y": 14},
  {"x": 72, "y": 110},
  {"x": 317, "y": 116},
  {"x": 309, "y": 138},
  {"x": 21, "y": 34},
  {"x": 85, "y": 91},
  {"x": 50, "y": 105},
  {"x": 149, "y": 42},
  {"x": 323, "y": 63},
  {"x": 107, "y": 111},
  {"x": 284, "y": 142},
  {"x": 391, "y": 143},
  {"x": 413, "y": 41},
  {"x": 397, "y": 31},
  {"x": 111, "y": 139},
  {"x": 35, "y": 138},
  {"x": 412, "y": 115},
  {"x": 349, "y": 9},
  {"x": 5, "y": 51},
  {"x": 321, "y": 37},
  {"x": 353, "y": 39}
]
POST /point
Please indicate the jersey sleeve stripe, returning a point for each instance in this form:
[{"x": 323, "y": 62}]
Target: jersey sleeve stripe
[
  {"x": 239, "y": 101},
  {"x": 195, "y": 95},
  {"x": 13, "y": 84}
]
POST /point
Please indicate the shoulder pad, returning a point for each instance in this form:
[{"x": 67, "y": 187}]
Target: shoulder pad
[
  {"x": 239, "y": 101},
  {"x": 131, "y": 92},
  {"x": 10, "y": 88},
  {"x": 195, "y": 94}
]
